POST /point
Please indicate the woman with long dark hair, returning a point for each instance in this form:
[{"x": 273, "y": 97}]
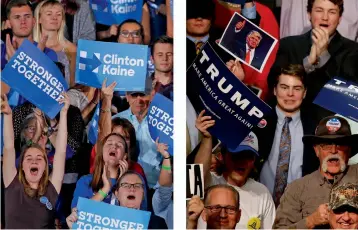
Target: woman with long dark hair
[{"x": 31, "y": 187}]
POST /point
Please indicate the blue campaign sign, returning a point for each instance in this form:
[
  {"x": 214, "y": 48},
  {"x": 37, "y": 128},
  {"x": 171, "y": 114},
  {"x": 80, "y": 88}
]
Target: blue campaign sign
[
  {"x": 161, "y": 120},
  {"x": 36, "y": 77},
  {"x": 109, "y": 12},
  {"x": 124, "y": 63},
  {"x": 93, "y": 126},
  {"x": 99, "y": 215},
  {"x": 233, "y": 106},
  {"x": 343, "y": 97}
]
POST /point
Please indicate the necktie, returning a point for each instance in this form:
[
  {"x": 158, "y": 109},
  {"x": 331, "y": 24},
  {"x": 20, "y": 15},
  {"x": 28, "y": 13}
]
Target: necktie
[
  {"x": 283, "y": 162},
  {"x": 248, "y": 57},
  {"x": 198, "y": 46}
]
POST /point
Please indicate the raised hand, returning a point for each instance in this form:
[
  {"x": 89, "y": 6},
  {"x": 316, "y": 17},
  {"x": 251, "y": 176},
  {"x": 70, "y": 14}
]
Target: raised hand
[
  {"x": 66, "y": 101},
  {"x": 240, "y": 25},
  {"x": 195, "y": 208},
  {"x": 10, "y": 47},
  {"x": 236, "y": 69},
  {"x": 113, "y": 30},
  {"x": 5, "y": 107},
  {"x": 203, "y": 123},
  {"x": 123, "y": 167},
  {"x": 107, "y": 184},
  {"x": 162, "y": 148},
  {"x": 107, "y": 91},
  {"x": 320, "y": 38},
  {"x": 320, "y": 216}
]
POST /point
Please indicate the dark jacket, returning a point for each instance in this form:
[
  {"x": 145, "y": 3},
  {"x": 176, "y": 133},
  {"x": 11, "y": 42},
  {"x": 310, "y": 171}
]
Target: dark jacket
[
  {"x": 266, "y": 137},
  {"x": 343, "y": 63}
]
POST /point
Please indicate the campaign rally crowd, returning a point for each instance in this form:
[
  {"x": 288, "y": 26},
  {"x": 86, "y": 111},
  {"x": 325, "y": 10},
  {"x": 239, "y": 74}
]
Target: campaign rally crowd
[
  {"x": 296, "y": 169},
  {"x": 48, "y": 164}
]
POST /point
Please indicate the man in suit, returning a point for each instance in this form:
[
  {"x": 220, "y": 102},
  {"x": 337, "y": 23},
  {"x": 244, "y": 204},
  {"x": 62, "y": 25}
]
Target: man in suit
[
  {"x": 281, "y": 149},
  {"x": 323, "y": 52}
]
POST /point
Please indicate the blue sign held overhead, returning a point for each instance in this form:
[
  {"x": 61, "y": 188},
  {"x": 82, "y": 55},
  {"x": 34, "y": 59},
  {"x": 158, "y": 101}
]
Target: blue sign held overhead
[
  {"x": 36, "y": 77},
  {"x": 99, "y": 215},
  {"x": 343, "y": 97},
  {"x": 124, "y": 63},
  {"x": 233, "y": 106},
  {"x": 161, "y": 120},
  {"x": 110, "y": 12}
]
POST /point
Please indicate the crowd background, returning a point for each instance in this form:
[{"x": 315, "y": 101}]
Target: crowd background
[
  {"x": 124, "y": 161},
  {"x": 285, "y": 169}
]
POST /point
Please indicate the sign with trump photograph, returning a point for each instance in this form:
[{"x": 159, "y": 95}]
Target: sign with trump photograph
[
  {"x": 110, "y": 12},
  {"x": 247, "y": 42},
  {"x": 161, "y": 120},
  {"x": 343, "y": 97},
  {"x": 124, "y": 63},
  {"x": 233, "y": 106},
  {"x": 99, "y": 215},
  {"x": 36, "y": 77}
]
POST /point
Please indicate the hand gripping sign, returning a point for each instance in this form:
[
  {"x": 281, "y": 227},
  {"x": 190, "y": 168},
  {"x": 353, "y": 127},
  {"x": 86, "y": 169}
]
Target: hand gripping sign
[
  {"x": 161, "y": 120},
  {"x": 36, "y": 77}
]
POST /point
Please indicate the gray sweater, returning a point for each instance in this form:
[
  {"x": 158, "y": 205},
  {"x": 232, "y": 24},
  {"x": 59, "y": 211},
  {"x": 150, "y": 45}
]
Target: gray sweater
[{"x": 84, "y": 25}]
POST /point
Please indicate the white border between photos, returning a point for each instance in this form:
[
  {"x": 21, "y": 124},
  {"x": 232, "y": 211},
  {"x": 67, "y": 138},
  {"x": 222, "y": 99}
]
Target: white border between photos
[{"x": 179, "y": 20}]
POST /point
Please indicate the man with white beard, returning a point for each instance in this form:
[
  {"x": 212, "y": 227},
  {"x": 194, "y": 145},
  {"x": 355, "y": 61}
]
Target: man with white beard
[{"x": 304, "y": 205}]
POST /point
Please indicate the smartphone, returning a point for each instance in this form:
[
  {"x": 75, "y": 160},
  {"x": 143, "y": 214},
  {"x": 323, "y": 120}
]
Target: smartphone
[{"x": 4, "y": 33}]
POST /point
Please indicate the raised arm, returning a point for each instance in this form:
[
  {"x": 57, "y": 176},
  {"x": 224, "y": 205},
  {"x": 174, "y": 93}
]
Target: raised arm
[
  {"x": 105, "y": 117},
  {"x": 166, "y": 173},
  {"x": 9, "y": 155},
  {"x": 146, "y": 23},
  {"x": 58, "y": 172},
  {"x": 204, "y": 153}
]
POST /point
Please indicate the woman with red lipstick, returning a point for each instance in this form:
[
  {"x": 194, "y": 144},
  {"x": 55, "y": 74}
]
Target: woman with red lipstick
[{"x": 31, "y": 187}]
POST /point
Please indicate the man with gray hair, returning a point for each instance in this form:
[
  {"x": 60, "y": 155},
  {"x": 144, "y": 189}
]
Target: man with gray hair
[
  {"x": 304, "y": 202},
  {"x": 221, "y": 208},
  {"x": 343, "y": 207}
]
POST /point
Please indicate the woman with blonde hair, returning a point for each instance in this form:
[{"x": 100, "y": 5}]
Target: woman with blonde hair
[
  {"x": 31, "y": 187},
  {"x": 50, "y": 24}
]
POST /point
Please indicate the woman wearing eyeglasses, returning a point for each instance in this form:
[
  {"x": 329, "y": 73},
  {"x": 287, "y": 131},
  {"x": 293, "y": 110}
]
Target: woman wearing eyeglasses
[
  {"x": 31, "y": 192},
  {"x": 130, "y": 192},
  {"x": 110, "y": 162}
]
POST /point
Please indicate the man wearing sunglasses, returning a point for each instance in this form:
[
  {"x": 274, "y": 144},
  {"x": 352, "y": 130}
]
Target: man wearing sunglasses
[
  {"x": 304, "y": 202},
  {"x": 221, "y": 208}
]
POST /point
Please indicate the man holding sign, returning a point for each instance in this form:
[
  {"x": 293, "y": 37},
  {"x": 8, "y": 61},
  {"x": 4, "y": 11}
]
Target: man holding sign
[{"x": 239, "y": 162}]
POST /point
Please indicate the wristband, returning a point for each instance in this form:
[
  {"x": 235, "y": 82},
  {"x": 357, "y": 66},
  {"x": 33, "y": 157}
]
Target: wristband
[
  {"x": 167, "y": 157},
  {"x": 168, "y": 168},
  {"x": 94, "y": 103},
  {"x": 105, "y": 110},
  {"x": 103, "y": 194}
]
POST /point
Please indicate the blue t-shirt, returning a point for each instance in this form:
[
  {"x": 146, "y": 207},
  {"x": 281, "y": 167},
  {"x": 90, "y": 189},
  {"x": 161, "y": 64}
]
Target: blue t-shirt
[{"x": 84, "y": 189}]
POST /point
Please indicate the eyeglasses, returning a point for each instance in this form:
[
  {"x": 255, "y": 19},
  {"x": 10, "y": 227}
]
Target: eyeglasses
[
  {"x": 134, "y": 34},
  {"x": 44, "y": 200},
  {"x": 218, "y": 208},
  {"x": 128, "y": 185},
  {"x": 329, "y": 147}
]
